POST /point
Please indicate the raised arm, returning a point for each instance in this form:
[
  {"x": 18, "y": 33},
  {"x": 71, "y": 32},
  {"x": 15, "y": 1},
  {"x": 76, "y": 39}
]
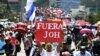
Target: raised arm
[
  {"x": 40, "y": 47},
  {"x": 59, "y": 47}
]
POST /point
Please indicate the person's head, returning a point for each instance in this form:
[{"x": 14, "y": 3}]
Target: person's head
[
  {"x": 65, "y": 46},
  {"x": 10, "y": 34},
  {"x": 7, "y": 40},
  {"x": 82, "y": 49},
  {"x": 48, "y": 47},
  {"x": 84, "y": 36},
  {"x": 2, "y": 37}
]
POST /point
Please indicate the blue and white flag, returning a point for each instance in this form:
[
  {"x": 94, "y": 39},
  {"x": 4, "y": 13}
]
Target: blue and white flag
[{"x": 30, "y": 10}]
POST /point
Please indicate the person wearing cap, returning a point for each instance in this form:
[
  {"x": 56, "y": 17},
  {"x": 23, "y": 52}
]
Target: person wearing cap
[
  {"x": 82, "y": 52},
  {"x": 48, "y": 51}
]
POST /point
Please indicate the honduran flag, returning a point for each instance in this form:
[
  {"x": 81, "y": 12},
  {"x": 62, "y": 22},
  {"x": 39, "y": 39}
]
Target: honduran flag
[{"x": 30, "y": 10}]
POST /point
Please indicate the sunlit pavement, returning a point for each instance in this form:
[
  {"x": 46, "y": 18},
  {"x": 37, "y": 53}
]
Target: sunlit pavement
[{"x": 22, "y": 52}]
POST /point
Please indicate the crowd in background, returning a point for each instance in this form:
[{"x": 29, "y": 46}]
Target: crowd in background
[{"x": 79, "y": 39}]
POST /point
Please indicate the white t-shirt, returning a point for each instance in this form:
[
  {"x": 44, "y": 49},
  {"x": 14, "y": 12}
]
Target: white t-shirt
[
  {"x": 77, "y": 53},
  {"x": 52, "y": 53}
]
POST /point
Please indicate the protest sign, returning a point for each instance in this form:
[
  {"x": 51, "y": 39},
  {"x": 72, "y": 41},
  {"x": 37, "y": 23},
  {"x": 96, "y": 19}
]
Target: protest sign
[{"x": 49, "y": 31}]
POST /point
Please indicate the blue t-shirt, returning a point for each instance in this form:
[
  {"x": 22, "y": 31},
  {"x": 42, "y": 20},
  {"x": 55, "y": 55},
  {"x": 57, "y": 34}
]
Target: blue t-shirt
[{"x": 2, "y": 43}]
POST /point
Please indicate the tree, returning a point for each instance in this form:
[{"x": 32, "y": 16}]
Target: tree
[
  {"x": 5, "y": 12},
  {"x": 1, "y": 15},
  {"x": 93, "y": 18},
  {"x": 11, "y": 19},
  {"x": 42, "y": 3}
]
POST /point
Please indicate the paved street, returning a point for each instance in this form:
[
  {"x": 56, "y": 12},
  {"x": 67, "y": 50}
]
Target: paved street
[
  {"x": 55, "y": 27},
  {"x": 22, "y": 52}
]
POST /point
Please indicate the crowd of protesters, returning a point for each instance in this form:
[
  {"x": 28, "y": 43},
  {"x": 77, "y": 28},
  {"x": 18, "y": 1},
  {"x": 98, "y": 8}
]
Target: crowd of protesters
[{"x": 75, "y": 43}]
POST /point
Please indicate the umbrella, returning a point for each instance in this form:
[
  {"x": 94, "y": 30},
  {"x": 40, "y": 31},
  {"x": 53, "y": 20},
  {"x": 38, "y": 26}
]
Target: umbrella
[
  {"x": 85, "y": 30},
  {"x": 54, "y": 19},
  {"x": 87, "y": 24},
  {"x": 20, "y": 29},
  {"x": 20, "y": 24},
  {"x": 80, "y": 23},
  {"x": 66, "y": 22}
]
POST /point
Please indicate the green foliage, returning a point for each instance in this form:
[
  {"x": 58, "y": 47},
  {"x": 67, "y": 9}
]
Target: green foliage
[
  {"x": 90, "y": 3},
  {"x": 11, "y": 19},
  {"x": 93, "y": 18},
  {"x": 3, "y": 6},
  {"x": 2, "y": 10},
  {"x": 1, "y": 15},
  {"x": 42, "y": 3},
  {"x": 6, "y": 12},
  {"x": 15, "y": 7},
  {"x": 8, "y": 7}
]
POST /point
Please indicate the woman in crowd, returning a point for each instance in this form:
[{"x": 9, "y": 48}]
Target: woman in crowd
[{"x": 48, "y": 51}]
